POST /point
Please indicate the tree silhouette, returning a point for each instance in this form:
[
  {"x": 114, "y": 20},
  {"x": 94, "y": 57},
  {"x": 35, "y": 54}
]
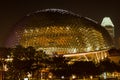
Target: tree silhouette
[
  {"x": 60, "y": 66},
  {"x": 107, "y": 66},
  {"x": 23, "y": 60},
  {"x": 84, "y": 68}
]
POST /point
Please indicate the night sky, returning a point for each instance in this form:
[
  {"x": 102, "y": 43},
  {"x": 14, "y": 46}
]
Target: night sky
[{"x": 12, "y": 11}]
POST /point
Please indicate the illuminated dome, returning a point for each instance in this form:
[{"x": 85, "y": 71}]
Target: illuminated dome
[{"x": 60, "y": 31}]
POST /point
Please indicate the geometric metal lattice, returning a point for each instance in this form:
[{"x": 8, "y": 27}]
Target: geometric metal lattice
[
  {"x": 62, "y": 32},
  {"x": 64, "y": 39}
]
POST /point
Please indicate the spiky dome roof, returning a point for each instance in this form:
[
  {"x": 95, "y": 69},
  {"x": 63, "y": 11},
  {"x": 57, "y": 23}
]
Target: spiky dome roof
[
  {"x": 58, "y": 29},
  {"x": 53, "y": 17}
]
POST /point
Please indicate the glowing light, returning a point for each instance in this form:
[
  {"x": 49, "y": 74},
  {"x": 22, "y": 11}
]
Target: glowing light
[
  {"x": 50, "y": 75},
  {"x": 73, "y": 76},
  {"x": 88, "y": 49},
  {"x": 97, "y": 48},
  {"x": 25, "y": 31},
  {"x": 62, "y": 77},
  {"x": 105, "y": 75},
  {"x": 29, "y": 75},
  {"x": 91, "y": 77},
  {"x": 74, "y": 50},
  {"x": 5, "y": 67},
  {"x": 64, "y": 37},
  {"x": 56, "y": 34},
  {"x": 79, "y": 54},
  {"x": 67, "y": 28},
  {"x": 97, "y": 57},
  {"x": 86, "y": 58},
  {"x": 107, "y": 22},
  {"x": 25, "y": 78}
]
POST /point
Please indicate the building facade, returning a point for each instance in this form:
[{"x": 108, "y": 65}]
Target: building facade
[{"x": 62, "y": 32}]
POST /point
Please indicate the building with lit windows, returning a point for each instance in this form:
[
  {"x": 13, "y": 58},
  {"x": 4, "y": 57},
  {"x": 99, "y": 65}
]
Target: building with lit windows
[{"x": 62, "y": 32}]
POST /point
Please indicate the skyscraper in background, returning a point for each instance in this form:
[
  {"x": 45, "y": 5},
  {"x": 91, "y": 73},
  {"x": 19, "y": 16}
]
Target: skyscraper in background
[{"x": 109, "y": 26}]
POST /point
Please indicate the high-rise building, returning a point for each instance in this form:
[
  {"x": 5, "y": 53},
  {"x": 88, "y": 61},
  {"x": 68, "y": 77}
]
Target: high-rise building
[{"x": 108, "y": 25}]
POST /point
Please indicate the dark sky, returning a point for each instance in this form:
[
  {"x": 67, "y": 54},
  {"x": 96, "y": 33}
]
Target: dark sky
[{"x": 12, "y": 11}]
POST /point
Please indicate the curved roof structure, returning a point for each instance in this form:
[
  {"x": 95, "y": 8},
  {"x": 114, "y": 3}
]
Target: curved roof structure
[{"x": 61, "y": 31}]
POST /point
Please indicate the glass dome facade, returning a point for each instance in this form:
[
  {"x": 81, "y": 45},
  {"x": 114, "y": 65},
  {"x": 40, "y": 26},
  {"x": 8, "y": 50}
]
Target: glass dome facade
[{"x": 60, "y": 31}]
